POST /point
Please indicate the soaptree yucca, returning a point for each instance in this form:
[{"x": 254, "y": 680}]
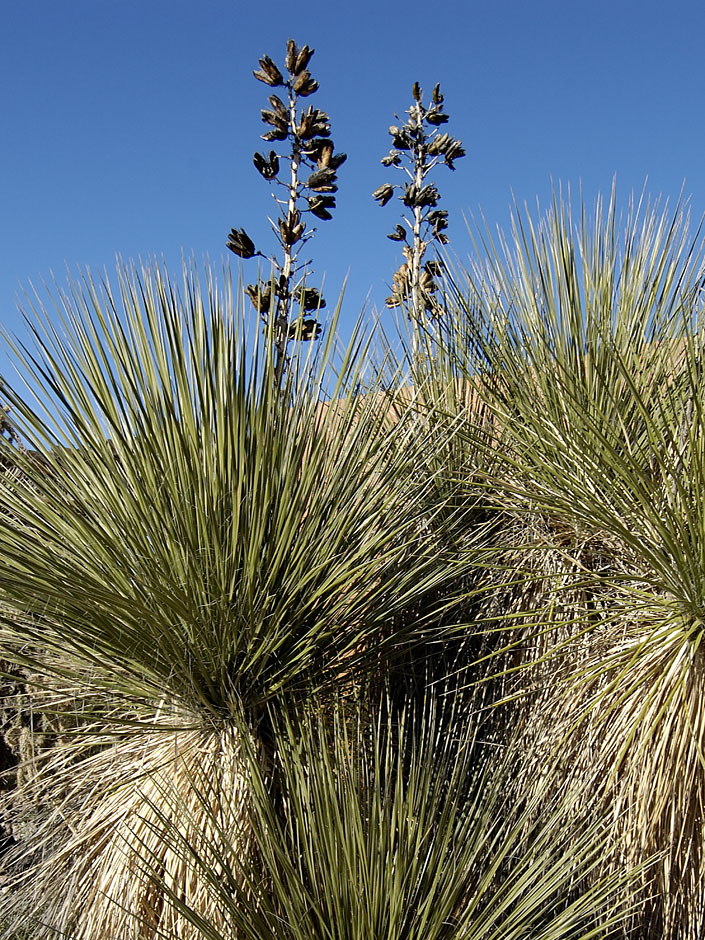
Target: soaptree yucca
[
  {"x": 587, "y": 346},
  {"x": 405, "y": 827},
  {"x": 190, "y": 544}
]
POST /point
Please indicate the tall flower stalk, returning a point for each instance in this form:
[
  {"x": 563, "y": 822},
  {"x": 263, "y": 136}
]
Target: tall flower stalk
[
  {"x": 305, "y": 188},
  {"x": 418, "y": 147}
]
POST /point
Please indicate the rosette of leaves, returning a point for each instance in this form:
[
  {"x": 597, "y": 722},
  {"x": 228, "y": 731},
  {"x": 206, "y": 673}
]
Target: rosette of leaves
[
  {"x": 304, "y": 179},
  {"x": 418, "y": 146}
]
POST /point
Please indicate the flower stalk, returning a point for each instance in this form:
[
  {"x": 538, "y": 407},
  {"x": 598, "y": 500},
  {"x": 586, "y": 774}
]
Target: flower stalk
[
  {"x": 418, "y": 147},
  {"x": 286, "y": 305}
]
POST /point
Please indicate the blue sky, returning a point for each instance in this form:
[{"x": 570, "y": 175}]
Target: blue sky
[{"x": 129, "y": 125}]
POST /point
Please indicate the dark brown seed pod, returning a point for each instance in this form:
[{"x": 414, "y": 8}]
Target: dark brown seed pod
[
  {"x": 279, "y": 107},
  {"x": 304, "y": 85},
  {"x": 323, "y": 157},
  {"x": 310, "y": 299},
  {"x": 305, "y": 130},
  {"x": 402, "y": 140},
  {"x": 398, "y": 235},
  {"x": 292, "y": 52},
  {"x": 275, "y": 134},
  {"x": 241, "y": 244},
  {"x": 337, "y": 160},
  {"x": 436, "y": 118},
  {"x": 319, "y": 178},
  {"x": 411, "y": 191},
  {"x": 427, "y": 196},
  {"x": 271, "y": 117},
  {"x": 267, "y": 168},
  {"x": 318, "y": 207},
  {"x": 434, "y": 268},
  {"x": 269, "y": 73},
  {"x": 438, "y": 218},
  {"x": 416, "y": 92},
  {"x": 302, "y": 59},
  {"x": 437, "y": 96},
  {"x": 305, "y": 329},
  {"x": 383, "y": 193},
  {"x": 260, "y": 296}
]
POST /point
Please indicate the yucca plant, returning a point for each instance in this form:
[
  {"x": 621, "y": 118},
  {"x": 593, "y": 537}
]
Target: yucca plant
[
  {"x": 588, "y": 349},
  {"x": 408, "y": 827},
  {"x": 187, "y": 548}
]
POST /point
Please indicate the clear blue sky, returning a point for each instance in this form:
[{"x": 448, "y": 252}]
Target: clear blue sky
[{"x": 128, "y": 126}]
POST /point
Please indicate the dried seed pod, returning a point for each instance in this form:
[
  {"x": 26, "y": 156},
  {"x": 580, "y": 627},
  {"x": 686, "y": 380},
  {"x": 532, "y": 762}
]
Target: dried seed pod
[
  {"x": 292, "y": 52},
  {"x": 241, "y": 244},
  {"x": 310, "y": 299},
  {"x": 304, "y": 85},
  {"x": 268, "y": 168},
  {"x": 383, "y": 193},
  {"x": 411, "y": 192},
  {"x": 271, "y": 117},
  {"x": 260, "y": 296},
  {"x": 439, "y": 144},
  {"x": 279, "y": 106},
  {"x": 324, "y": 155},
  {"x": 434, "y": 268},
  {"x": 275, "y": 134},
  {"x": 399, "y": 234},
  {"x": 416, "y": 92},
  {"x": 337, "y": 160},
  {"x": 436, "y": 117},
  {"x": 437, "y": 96},
  {"x": 438, "y": 218},
  {"x": 302, "y": 59},
  {"x": 304, "y": 129},
  {"x": 305, "y": 329},
  {"x": 427, "y": 196},
  {"x": 392, "y": 159},
  {"x": 320, "y": 179},
  {"x": 269, "y": 73},
  {"x": 402, "y": 140}
]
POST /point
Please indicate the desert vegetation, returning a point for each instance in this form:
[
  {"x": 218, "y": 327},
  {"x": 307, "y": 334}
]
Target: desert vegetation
[{"x": 393, "y": 639}]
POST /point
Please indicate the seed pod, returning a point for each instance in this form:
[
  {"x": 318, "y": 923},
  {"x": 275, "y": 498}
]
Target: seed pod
[
  {"x": 321, "y": 178},
  {"x": 402, "y": 140},
  {"x": 399, "y": 234},
  {"x": 305, "y": 329},
  {"x": 436, "y": 117},
  {"x": 269, "y": 73},
  {"x": 292, "y": 52},
  {"x": 271, "y": 117},
  {"x": 416, "y": 91},
  {"x": 410, "y": 193},
  {"x": 275, "y": 134},
  {"x": 383, "y": 193},
  {"x": 260, "y": 296},
  {"x": 324, "y": 155},
  {"x": 291, "y": 229},
  {"x": 304, "y": 85},
  {"x": 279, "y": 106},
  {"x": 439, "y": 144},
  {"x": 268, "y": 168},
  {"x": 302, "y": 59},
  {"x": 438, "y": 218},
  {"x": 337, "y": 160},
  {"x": 437, "y": 96},
  {"x": 392, "y": 159},
  {"x": 241, "y": 244},
  {"x": 310, "y": 298},
  {"x": 392, "y": 302},
  {"x": 304, "y": 130},
  {"x": 427, "y": 196},
  {"x": 434, "y": 268},
  {"x": 319, "y": 206}
]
